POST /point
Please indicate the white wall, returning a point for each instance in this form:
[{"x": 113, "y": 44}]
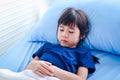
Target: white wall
[
  {"x": 17, "y": 17},
  {"x": 43, "y": 5}
]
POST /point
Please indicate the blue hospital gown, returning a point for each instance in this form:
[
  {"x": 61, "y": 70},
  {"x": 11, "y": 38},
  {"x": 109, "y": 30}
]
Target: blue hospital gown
[{"x": 68, "y": 59}]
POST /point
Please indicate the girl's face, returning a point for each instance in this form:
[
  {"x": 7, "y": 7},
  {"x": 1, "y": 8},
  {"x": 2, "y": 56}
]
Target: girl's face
[{"x": 68, "y": 36}]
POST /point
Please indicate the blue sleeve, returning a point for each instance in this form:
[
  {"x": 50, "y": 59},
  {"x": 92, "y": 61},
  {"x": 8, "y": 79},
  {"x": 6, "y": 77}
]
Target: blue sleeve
[
  {"x": 86, "y": 60},
  {"x": 39, "y": 52}
]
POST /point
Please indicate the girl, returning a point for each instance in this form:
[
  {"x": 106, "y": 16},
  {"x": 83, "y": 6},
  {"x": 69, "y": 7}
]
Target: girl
[{"x": 66, "y": 60}]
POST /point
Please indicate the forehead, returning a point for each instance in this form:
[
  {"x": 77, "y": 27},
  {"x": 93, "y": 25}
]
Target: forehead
[{"x": 71, "y": 26}]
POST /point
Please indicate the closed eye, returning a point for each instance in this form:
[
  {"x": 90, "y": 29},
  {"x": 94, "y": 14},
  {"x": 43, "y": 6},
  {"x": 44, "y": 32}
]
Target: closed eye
[
  {"x": 71, "y": 31},
  {"x": 61, "y": 30}
]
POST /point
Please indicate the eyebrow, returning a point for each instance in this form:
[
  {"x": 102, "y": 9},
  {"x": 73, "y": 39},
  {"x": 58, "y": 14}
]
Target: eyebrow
[
  {"x": 61, "y": 25},
  {"x": 70, "y": 26}
]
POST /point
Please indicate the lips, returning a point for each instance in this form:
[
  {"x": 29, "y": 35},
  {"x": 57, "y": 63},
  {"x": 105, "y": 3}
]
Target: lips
[{"x": 64, "y": 41}]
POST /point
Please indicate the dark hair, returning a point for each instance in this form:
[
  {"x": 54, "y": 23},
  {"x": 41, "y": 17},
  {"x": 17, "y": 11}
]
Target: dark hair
[{"x": 72, "y": 16}]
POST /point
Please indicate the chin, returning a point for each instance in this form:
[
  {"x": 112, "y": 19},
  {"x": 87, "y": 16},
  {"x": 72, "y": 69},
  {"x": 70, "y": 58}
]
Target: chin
[{"x": 64, "y": 45}]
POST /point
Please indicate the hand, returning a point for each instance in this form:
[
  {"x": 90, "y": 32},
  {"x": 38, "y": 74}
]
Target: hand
[{"x": 42, "y": 68}]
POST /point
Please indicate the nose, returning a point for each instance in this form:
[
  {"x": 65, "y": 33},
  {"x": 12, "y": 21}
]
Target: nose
[{"x": 65, "y": 34}]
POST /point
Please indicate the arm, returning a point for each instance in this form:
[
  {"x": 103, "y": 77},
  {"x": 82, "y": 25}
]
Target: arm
[
  {"x": 65, "y": 75},
  {"x": 51, "y": 70},
  {"x": 40, "y": 67}
]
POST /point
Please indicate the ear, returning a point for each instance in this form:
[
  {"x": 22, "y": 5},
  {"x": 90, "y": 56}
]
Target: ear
[{"x": 82, "y": 37}]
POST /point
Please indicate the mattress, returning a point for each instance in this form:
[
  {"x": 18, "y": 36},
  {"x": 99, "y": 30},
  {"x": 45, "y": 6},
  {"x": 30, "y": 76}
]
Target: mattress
[
  {"x": 20, "y": 54},
  {"x": 108, "y": 68}
]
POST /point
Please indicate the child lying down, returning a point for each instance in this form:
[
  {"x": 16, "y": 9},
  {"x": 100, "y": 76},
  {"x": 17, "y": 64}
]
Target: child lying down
[
  {"x": 6, "y": 74},
  {"x": 65, "y": 60}
]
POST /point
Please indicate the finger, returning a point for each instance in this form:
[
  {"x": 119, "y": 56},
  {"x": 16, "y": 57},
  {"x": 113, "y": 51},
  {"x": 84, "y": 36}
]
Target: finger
[
  {"x": 43, "y": 68},
  {"x": 48, "y": 63},
  {"x": 50, "y": 69},
  {"x": 39, "y": 73},
  {"x": 45, "y": 71},
  {"x": 36, "y": 58},
  {"x": 40, "y": 69}
]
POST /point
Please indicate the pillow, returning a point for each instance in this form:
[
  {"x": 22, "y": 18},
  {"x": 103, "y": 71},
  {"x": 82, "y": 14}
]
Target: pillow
[
  {"x": 104, "y": 22},
  {"x": 47, "y": 26}
]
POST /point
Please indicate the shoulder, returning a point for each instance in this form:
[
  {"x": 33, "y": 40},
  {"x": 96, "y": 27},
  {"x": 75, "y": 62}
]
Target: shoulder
[
  {"x": 82, "y": 52},
  {"x": 50, "y": 45}
]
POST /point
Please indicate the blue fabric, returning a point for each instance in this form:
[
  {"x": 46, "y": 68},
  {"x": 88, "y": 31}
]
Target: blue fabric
[
  {"x": 20, "y": 54},
  {"x": 104, "y": 23},
  {"x": 65, "y": 58},
  {"x": 48, "y": 24},
  {"x": 109, "y": 67}
]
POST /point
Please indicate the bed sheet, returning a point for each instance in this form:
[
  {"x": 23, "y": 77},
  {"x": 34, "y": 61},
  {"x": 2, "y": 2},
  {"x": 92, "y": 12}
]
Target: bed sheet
[
  {"x": 109, "y": 66},
  {"x": 20, "y": 54},
  {"x": 6, "y": 74}
]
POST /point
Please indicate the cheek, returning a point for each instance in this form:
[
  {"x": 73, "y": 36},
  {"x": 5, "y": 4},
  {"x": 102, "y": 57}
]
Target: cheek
[
  {"x": 58, "y": 35},
  {"x": 76, "y": 38}
]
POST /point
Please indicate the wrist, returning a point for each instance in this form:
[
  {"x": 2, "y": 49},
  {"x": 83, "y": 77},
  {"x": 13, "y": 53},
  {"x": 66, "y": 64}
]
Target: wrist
[
  {"x": 36, "y": 58},
  {"x": 56, "y": 70}
]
